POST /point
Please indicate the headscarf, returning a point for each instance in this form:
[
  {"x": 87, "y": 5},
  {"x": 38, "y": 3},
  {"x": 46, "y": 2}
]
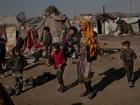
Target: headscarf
[{"x": 91, "y": 42}]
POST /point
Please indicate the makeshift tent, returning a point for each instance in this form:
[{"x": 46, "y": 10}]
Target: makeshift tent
[
  {"x": 110, "y": 27},
  {"x": 133, "y": 21},
  {"x": 52, "y": 18}
]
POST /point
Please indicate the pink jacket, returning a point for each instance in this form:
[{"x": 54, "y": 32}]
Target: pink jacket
[{"x": 59, "y": 59}]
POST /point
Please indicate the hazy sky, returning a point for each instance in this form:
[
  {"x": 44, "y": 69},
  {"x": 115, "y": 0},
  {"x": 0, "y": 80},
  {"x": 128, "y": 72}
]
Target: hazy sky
[{"x": 68, "y": 7}]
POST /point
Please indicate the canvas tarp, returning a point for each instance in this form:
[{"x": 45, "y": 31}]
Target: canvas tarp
[
  {"x": 37, "y": 22},
  {"x": 110, "y": 27},
  {"x": 54, "y": 22},
  {"x": 134, "y": 23}
]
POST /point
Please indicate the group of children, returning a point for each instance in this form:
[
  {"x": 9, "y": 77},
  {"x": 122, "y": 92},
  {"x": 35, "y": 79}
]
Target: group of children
[
  {"x": 54, "y": 54},
  {"x": 57, "y": 53}
]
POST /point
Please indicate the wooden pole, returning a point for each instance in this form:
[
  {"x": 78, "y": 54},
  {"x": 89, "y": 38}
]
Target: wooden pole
[{"x": 104, "y": 18}]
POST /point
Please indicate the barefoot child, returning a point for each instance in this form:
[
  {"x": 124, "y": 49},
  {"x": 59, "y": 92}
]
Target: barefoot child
[
  {"x": 128, "y": 55},
  {"x": 59, "y": 65}
]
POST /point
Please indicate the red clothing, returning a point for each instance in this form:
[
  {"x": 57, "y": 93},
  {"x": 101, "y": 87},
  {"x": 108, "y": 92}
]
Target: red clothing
[
  {"x": 59, "y": 59},
  {"x": 31, "y": 41}
]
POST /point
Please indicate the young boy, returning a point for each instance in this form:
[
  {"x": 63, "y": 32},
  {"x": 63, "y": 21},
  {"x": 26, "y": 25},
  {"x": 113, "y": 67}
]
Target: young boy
[
  {"x": 47, "y": 41},
  {"x": 17, "y": 63},
  {"x": 128, "y": 55},
  {"x": 59, "y": 65}
]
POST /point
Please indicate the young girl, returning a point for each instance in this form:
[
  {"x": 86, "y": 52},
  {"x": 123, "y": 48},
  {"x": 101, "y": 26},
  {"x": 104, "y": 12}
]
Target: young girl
[
  {"x": 59, "y": 65},
  {"x": 88, "y": 48}
]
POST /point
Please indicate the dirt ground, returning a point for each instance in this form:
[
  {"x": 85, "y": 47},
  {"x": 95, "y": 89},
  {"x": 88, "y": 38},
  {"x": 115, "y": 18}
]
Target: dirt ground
[{"x": 109, "y": 82}]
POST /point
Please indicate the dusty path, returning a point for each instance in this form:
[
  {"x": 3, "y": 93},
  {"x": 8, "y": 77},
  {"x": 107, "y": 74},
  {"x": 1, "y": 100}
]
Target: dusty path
[{"x": 109, "y": 82}]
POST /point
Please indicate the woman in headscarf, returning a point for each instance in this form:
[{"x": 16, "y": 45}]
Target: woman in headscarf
[{"x": 88, "y": 49}]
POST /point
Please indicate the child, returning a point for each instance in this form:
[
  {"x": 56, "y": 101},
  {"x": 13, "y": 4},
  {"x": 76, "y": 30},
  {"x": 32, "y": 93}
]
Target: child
[
  {"x": 47, "y": 41},
  {"x": 59, "y": 65},
  {"x": 128, "y": 55},
  {"x": 71, "y": 42},
  {"x": 17, "y": 63}
]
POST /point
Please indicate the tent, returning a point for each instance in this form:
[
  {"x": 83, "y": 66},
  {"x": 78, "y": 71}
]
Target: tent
[
  {"x": 54, "y": 19},
  {"x": 134, "y": 21}
]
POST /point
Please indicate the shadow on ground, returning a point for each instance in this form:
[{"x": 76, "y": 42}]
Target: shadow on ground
[
  {"x": 111, "y": 75},
  {"x": 38, "y": 81},
  {"x": 136, "y": 75},
  {"x": 72, "y": 85},
  {"x": 79, "y": 103},
  {"x": 30, "y": 66},
  {"x": 8, "y": 71},
  {"x": 75, "y": 83}
]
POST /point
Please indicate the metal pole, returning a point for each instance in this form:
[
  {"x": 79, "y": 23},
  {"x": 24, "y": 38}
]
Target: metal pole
[{"x": 104, "y": 18}]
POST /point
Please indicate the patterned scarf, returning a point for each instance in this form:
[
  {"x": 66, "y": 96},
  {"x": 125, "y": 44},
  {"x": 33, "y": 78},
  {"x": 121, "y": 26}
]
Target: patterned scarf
[{"x": 92, "y": 44}]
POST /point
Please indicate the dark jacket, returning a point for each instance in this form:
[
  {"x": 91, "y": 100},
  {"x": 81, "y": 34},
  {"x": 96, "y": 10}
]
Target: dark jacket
[
  {"x": 47, "y": 39},
  {"x": 128, "y": 56},
  {"x": 17, "y": 64},
  {"x": 2, "y": 49},
  {"x": 72, "y": 40},
  {"x": 4, "y": 96}
]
